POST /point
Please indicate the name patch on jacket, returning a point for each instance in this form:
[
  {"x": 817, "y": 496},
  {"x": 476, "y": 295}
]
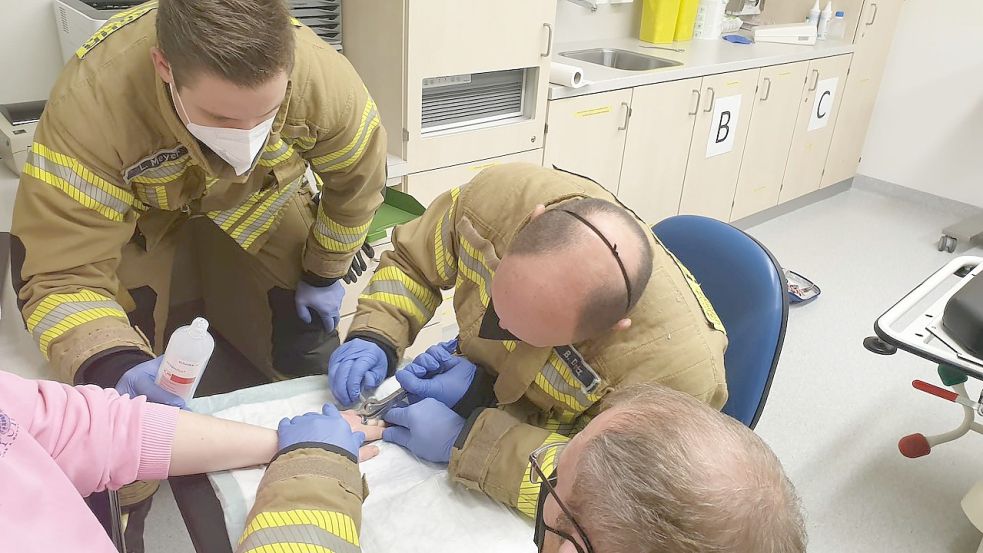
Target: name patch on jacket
[
  {"x": 582, "y": 371},
  {"x": 155, "y": 160}
]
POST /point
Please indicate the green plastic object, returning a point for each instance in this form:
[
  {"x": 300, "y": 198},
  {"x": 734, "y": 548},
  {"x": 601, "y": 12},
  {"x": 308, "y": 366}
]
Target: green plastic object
[
  {"x": 396, "y": 209},
  {"x": 951, "y": 376}
]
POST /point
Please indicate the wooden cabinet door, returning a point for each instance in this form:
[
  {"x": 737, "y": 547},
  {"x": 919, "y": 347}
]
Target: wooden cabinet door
[
  {"x": 657, "y": 147},
  {"x": 718, "y": 144},
  {"x": 874, "y": 36},
  {"x": 810, "y": 145},
  {"x": 586, "y": 135},
  {"x": 769, "y": 138}
]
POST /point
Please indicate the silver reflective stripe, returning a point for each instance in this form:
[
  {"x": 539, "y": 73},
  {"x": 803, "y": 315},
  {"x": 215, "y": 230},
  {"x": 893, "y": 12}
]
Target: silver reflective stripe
[
  {"x": 446, "y": 243},
  {"x": 398, "y": 289},
  {"x": 359, "y": 143},
  {"x": 69, "y": 175},
  {"x": 296, "y": 533},
  {"x": 164, "y": 171},
  {"x": 281, "y": 149},
  {"x": 556, "y": 380},
  {"x": 64, "y": 310},
  {"x": 347, "y": 239},
  {"x": 476, "y": 266},
  {"x": 270, "y": 212}
]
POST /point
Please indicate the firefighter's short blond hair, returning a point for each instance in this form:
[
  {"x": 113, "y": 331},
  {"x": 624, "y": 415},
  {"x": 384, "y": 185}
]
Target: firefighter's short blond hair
[
  {"x": 671, "y": 474},
  {"x": 247, "y": 42}
]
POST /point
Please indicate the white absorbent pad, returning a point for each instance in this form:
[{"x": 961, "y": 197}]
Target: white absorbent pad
[{"x": 412, "y": 504}]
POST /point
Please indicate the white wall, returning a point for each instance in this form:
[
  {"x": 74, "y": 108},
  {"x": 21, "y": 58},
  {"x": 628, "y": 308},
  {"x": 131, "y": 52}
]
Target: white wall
[
  {"x": 30, "y": 57},
  {"x": 927, "y": 129},
  {"x": 574, "y": 23}
]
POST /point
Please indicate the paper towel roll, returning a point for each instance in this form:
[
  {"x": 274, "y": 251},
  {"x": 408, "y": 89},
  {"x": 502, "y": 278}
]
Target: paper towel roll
[{"x": 566, "y": 75}]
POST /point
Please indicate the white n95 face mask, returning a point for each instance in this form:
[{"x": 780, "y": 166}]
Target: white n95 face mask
[{"x": 238, "y": 147}]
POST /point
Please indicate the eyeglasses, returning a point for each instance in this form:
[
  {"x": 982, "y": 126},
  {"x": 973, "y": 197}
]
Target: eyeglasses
[{"x": 541, "y": 460}]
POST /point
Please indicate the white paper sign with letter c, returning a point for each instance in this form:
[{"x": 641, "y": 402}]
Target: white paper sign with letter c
[
  {"x": 723, "y": 128},
  {"x": 822, "y": 108}
]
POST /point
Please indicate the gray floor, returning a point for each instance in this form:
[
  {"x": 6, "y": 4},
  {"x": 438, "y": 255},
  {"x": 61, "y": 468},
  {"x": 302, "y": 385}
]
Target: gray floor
[{"x": 836, "y": 411}]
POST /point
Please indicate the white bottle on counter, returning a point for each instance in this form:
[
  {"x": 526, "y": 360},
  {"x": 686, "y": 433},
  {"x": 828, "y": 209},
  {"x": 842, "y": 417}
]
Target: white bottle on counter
[
  {"x": 709, "y": 19},
  {"x": 814, "y": 14},
  {"x": 825, "y": 18},
  {"x": 837, "y": 27},
  {"x": 185, "y": 358}
]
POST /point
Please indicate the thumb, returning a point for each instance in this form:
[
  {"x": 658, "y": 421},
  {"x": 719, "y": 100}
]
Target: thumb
[
  {"x": 303, "y": 312},
  {"x": 399, "y": 416},
  {"x": 414, "y": 384},
  {"x": 371, "y": 379},
  {"x": 397, "y": 435},
  {"x": 450, "y": 346},
  {"x": 329, "y": 410},
  {"x": 359, "y": 439},
  {"x": 329, "y": 323}
]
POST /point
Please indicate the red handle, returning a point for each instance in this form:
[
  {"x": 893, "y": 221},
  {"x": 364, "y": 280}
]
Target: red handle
[{"x": 935, "y": 390}]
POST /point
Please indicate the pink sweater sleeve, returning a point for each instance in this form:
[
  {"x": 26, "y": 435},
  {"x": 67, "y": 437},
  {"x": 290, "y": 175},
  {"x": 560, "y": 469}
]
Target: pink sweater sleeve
[{"x": 99, "y": 439}]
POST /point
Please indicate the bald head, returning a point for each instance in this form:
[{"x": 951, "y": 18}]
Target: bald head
[
  {"x": 659, "y": 471},
  {"x": 564, "y": 266}
]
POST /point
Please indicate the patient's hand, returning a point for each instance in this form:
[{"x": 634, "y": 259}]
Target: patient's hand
[{"x": 373, "y": 431}]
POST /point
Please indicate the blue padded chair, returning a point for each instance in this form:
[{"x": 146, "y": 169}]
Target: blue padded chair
[{"x": 747, "y": 288}]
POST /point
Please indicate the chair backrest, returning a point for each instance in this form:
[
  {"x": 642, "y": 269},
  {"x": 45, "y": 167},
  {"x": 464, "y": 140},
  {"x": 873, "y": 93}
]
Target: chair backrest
[{"x": 747, "y": 288}]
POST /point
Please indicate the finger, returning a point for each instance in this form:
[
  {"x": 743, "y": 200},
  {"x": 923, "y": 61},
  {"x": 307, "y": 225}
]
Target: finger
[
  {"x": 361, "y": 263},
  {"x": 372, "y": 431},
  {"x": 356, "y": 378},
  {"x": 398, "y": 416},
  {"x": 329, "y": 323},
  {"x": 339, "y": 382},
  {"x": 359, "y": 438},
  {"x": 367, "y": 452},
  {"x": 329, "y": 410},
  {"x": 397, "y": 435},
  {"x": 285, "y": 421},
  {"x": 414, "y": 384},
  {"x": 369, "y": 250},
  {"x": 450, "y": 346},
  {"x": 371, "y": 379},
  {"x": 303, "y": 312}
]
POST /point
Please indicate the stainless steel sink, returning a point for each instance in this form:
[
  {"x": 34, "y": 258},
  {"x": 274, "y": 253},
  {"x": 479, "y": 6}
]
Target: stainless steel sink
[{"x": 620, "y": 59}]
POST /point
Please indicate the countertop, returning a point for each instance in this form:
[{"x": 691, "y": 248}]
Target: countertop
[{"x": 699, "y": 58}]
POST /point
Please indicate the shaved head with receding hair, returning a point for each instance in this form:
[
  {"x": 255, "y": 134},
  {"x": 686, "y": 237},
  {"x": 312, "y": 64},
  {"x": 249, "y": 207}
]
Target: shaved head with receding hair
[{"x": 591, "y": 235}]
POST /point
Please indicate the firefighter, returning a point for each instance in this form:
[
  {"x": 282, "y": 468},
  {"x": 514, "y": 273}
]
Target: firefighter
[
  {"x": 561, "y": 297},
  {"x": 204, "y": 114}
]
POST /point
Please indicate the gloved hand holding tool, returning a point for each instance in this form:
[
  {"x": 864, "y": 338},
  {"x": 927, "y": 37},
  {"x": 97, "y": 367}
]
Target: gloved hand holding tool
[
  {"x": 427, "y": 428},
  {"x": 324, "y": 301},
  {"x": 439, "y": 374},
  {"x": 141, "y": 380},
  {"x": 358, "y": 365}
]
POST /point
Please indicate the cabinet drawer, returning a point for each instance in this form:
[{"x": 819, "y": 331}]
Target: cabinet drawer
[{"x": 426, "y": 186}]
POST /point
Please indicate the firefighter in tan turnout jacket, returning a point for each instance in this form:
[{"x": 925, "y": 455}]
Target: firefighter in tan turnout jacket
[
  {"x": 196, "y": 116},
  {"x": 561, "y": 297}
]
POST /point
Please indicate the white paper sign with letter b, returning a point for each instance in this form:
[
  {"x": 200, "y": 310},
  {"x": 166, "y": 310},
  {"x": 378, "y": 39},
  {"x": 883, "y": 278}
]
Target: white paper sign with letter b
[
  {"x": 822, "y": 108},
  {"x": 723, "y": 129}
]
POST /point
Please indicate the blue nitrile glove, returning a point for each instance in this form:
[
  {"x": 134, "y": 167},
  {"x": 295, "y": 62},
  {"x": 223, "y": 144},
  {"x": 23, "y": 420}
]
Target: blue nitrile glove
[
  {"x": 356, "y": 366},
  {"x": 327, "y": 427},
  {"x": 428, "y": 429},
  {"x": 325, "y": 301},
  {"x": 141, "y": 381},
  {"x": 439, "y": 374}
]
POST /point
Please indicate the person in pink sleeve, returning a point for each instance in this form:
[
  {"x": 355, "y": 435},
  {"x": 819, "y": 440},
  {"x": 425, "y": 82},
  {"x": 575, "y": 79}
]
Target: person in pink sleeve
[{"x": 59, "y": 444}]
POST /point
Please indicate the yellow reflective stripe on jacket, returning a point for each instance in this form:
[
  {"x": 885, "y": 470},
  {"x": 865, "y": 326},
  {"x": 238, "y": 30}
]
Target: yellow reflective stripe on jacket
[
  {"x": 528, "y": 492},
  {"x": 262, "y": 208},
  {"x": 472, "y": 265},
  {"x": 261, "y": 220},
  {"x": 335, "y": 237},
  {"x": 558, "y": 382},
  {"x": 81, "y": 184},
  {"x": 443, "y": 242},
  {"x": 60, "y": 313},
  {"x": 390, "y": 285},
  {"x": 114, "y": 24},
  {"x": 276, "y": 153},
  {"x": 352, "y": 152},
  {"x": 562, "y": 424},
  {"x": 300, "y": 530}
]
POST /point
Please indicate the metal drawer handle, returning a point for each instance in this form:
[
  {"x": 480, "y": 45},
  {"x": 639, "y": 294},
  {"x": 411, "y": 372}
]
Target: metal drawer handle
[
  {"x": 873, "y": 18},
  {"x": 549, "y": 41},
  {"x": 696, "y": 108},
  {"x": 816, "y": 82},
  {"x": 627, "y": 107},
  {"x": 767, "y": 90},
  {"x": 713, "y": 98}
]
